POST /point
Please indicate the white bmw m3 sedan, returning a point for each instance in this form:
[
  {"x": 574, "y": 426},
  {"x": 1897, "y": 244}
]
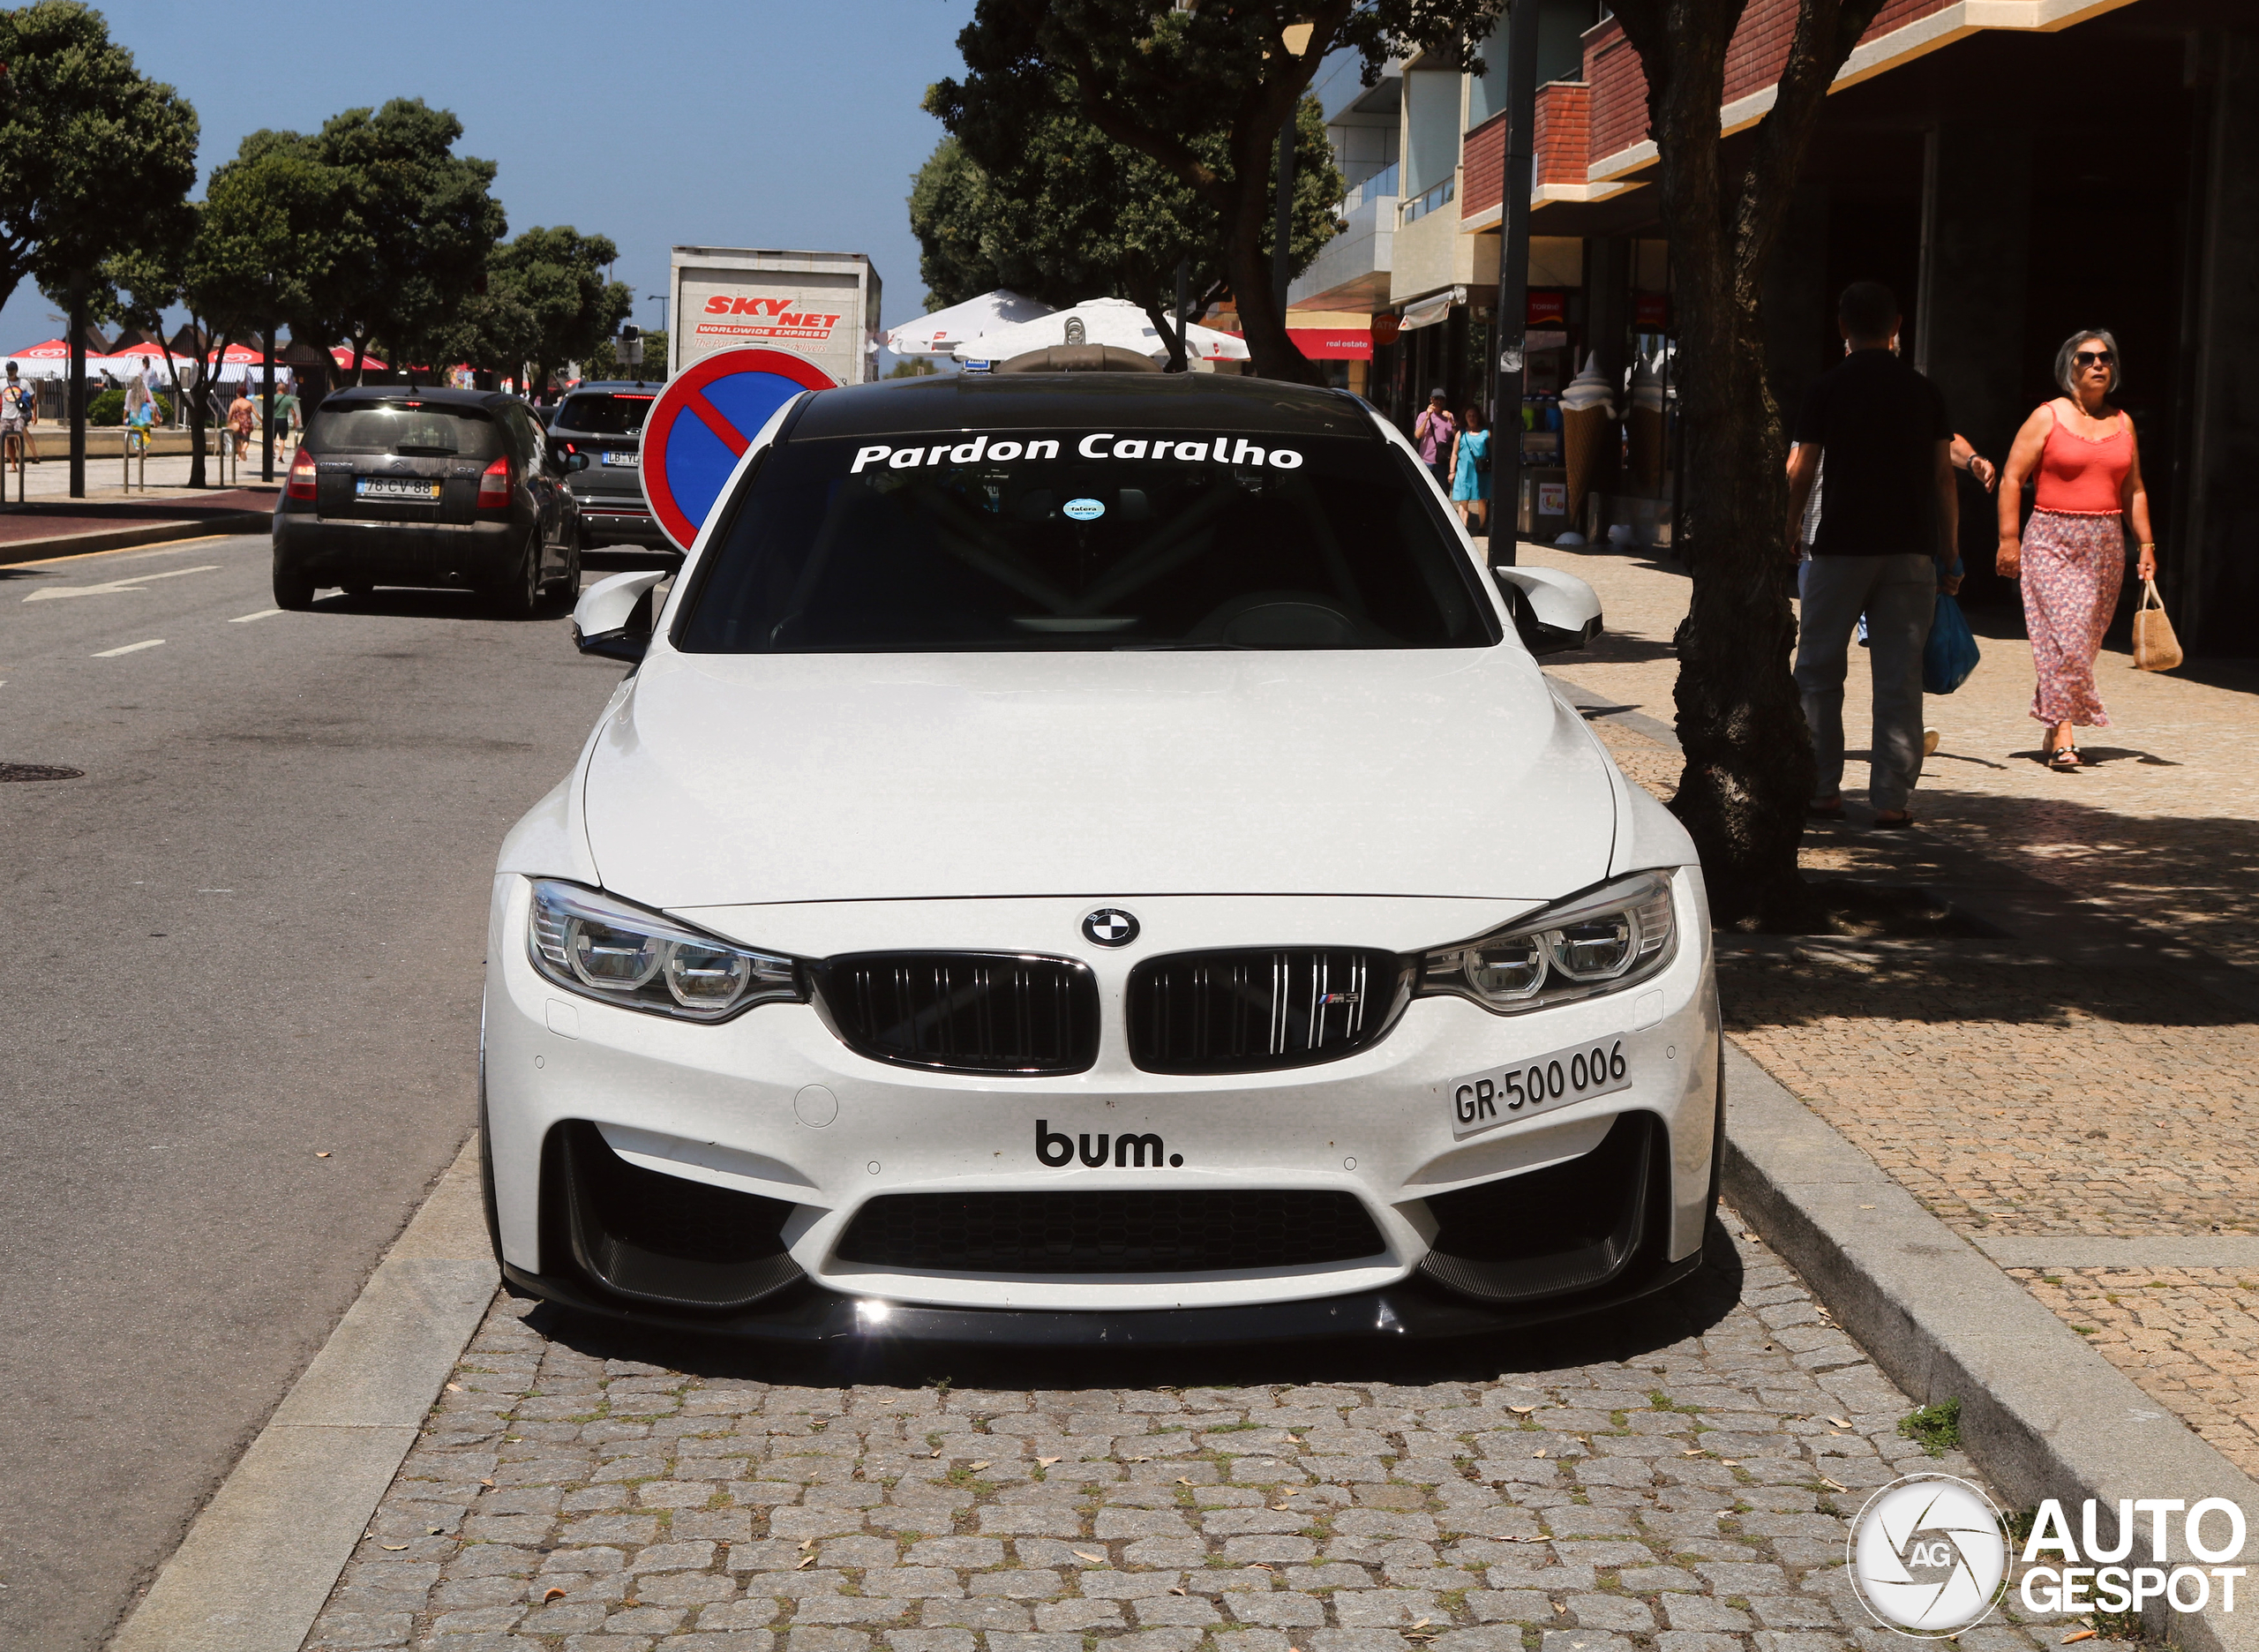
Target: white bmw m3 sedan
[{"x": 1090, "y": 858}]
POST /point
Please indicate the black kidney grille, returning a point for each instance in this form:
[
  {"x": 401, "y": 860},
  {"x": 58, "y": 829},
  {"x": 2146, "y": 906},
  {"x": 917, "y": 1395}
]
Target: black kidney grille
[
  {"x": 1246, "y": 1011},
  {"x": 964, "y": 1011},
  {"x": 1129, "y": 1231}
]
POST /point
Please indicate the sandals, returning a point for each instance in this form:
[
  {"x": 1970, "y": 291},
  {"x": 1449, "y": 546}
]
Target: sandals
[
  {"x": 2066, "y": 758},
  {"x": 1883, "y": 823},
  {"x": 1823, "y": 812}
]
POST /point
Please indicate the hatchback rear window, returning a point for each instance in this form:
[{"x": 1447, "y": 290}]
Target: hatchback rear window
[
  {"x": 602, "y": 415},
  {"x": 1062, "y": 540},
  {"x": 428, "y": 430}
]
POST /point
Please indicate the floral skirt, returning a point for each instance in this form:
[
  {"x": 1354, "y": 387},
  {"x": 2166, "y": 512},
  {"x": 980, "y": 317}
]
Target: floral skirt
[{"x": 2073, "y": 566}]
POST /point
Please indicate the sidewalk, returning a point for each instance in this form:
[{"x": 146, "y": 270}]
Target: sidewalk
[
  {"x": 2075, "y": 1094},
  {"x": 109, "y": 520}
]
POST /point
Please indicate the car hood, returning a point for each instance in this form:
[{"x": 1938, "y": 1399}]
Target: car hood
[{"x": 735, "y": 779}]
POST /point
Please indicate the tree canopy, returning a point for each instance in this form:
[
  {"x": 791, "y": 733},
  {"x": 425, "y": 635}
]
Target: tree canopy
[
  {"x": 92, "y": 153},
  {"x": 1204, "y": 91},
  {"x": 546, "y": 302},
  {"x": 421, "y": 220},
  {"x": 1062, "y": 213}
]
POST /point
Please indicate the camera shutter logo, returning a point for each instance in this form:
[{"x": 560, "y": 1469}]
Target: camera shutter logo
[{"x": 1929, "y": 1554}]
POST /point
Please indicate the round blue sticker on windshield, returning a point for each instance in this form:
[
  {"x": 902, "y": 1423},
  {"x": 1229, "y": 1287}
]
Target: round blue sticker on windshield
[{"x": 1082, "y": 510}]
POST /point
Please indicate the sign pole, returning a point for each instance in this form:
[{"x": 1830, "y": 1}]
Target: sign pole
[{"x": 1514, "y": 282}]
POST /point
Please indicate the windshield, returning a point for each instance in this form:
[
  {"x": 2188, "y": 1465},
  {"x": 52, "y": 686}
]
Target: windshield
[
  {"x": 1062, "y": 540},
  {"x": 602, "y": 415},
  {"x": 424, "y": 430}
]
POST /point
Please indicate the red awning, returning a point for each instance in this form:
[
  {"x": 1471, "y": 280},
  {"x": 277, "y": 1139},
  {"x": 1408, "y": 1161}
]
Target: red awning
[
  {"x": 1331, "y": 343},
  {"x": 343, "y": 357}
]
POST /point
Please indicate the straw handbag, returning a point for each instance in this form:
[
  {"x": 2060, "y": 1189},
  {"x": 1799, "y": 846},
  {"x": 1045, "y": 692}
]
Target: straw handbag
[{"x": 2155, "y": 647}]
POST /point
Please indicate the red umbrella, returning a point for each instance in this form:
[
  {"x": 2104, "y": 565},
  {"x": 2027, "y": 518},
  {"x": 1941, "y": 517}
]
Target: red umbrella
[
  {"x": 241, "y": 356},
  {"x": 343, "y": 357},
  {"x": 54, "y": 349}
]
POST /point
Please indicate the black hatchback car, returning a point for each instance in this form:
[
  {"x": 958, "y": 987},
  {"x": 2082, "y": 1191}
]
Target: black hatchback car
[
  {"x": 604, "y": 422},
  {"x": 397, "y": 485}
]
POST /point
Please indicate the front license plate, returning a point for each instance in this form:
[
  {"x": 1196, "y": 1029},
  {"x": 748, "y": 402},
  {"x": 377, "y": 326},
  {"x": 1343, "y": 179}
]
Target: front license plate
[
  {"x": 633, "y": 460},
  {"x": 395, "y": 488},
  {"x": 1575, "y": 1074}
]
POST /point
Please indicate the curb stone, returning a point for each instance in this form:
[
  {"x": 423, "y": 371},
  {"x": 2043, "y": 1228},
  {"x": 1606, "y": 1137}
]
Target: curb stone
[
  {"x": 2043, "y": 1413},
  {"x": 260, "y": 1561},
  {"x": 130, "y": 537}
]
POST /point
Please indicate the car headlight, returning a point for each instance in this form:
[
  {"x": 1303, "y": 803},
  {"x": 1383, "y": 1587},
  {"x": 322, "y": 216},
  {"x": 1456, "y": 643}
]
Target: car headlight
[
  {"x": 603, "y": 948},
  {"x": 1599, "y": 942}
]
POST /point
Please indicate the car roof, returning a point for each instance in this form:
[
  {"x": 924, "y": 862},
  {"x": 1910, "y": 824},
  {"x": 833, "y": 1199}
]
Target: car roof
[
  {"x": 431, "y": 395},
  {"x": 1080, "y": 400}
]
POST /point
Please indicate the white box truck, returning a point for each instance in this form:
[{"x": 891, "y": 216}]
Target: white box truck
[{"x": 823, "y": 305}]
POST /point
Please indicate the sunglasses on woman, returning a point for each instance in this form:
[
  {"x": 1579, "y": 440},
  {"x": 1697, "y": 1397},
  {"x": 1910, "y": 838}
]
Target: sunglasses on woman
[{"x": 2086, "y": 358}]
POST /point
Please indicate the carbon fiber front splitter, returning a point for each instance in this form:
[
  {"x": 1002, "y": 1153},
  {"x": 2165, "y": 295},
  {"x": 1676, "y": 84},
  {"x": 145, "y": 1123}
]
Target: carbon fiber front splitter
[{"x": 811, "y": 1315}]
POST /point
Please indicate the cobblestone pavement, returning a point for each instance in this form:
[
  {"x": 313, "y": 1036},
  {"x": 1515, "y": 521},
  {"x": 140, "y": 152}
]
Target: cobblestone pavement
[
  {"x": 1676, "y": 1476},
  {"x": 2012, "y": 1085}
]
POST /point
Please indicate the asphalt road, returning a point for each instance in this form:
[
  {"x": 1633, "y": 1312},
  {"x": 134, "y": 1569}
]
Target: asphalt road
[{"x": 252, "y": 936}]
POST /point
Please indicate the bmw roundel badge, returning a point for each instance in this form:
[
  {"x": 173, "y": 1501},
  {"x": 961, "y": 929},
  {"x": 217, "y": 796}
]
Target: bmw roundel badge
[{"x": 1110, "y": 927}]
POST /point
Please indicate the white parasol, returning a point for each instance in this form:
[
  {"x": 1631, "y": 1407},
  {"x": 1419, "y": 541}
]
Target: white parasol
[
  {"x": 942, "y": 331},
  {"x": 1114, "y": 321}
]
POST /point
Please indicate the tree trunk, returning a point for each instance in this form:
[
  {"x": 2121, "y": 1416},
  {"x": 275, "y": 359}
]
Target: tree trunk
[
  {"x": 1261, "y": 321},
  {"x": 1749, "y": 769}
]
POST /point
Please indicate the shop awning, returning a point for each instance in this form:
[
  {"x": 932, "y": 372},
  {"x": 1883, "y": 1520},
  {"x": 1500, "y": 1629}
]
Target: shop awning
[
  {"x": 1333, "y": 343},
  {"x": 1427, "y": 311}
]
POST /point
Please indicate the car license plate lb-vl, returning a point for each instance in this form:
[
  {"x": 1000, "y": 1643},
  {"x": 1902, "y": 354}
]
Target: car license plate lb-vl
[
  {"x": 633, "y": 460},
  {"x": 396, "y": 488},
  {"x": 1575, "y": 1074}
]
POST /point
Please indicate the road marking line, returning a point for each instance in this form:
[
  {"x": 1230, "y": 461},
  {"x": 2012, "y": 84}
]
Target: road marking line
[
  {"x": 247, "y": 617},
  {"x": 176, "y": 546},
  {"x": 110, "y": 588},
  {"x": 131, "y": 648}
]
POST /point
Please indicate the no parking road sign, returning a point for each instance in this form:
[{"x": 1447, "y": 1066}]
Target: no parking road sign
[{"x": 703, "y": 422}]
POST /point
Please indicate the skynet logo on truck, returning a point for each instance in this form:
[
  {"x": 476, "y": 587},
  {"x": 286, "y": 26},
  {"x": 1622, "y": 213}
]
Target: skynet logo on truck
[{"x": 764, "y": 319}]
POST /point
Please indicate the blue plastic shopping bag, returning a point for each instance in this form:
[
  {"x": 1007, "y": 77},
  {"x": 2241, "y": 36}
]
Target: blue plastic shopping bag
[{"x": 1952, "y": 653}]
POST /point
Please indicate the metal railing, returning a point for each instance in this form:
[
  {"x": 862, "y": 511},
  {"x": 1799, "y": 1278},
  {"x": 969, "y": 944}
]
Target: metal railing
[{"x": 1442, "y": 195}]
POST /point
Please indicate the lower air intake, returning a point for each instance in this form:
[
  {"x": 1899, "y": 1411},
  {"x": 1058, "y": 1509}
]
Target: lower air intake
[{"x": 1133, "y": 1231}]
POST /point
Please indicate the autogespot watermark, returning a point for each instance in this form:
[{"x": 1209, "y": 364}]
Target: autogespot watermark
[{"x": 1929, "y": 1555}]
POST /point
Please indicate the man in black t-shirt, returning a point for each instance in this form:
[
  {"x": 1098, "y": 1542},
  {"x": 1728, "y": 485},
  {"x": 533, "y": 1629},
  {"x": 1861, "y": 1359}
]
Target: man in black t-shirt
[{"x": 1884, "y": 546}]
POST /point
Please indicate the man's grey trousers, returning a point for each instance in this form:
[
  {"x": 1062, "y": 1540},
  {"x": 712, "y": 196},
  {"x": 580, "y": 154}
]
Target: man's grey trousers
[{"x": 1898, "y": 594}]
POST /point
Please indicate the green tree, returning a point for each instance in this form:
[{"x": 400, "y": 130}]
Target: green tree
[
  {"x": 1748, "y": 768},
  {"x": 426, "y": 217},
  {"x": 92, "y": 152},
  {"x": 1203, "y": 90},
  {"x": 546, "y": 302},
  {"x": 1062, "y": 213},
  {"x": 138, "y": 286}
]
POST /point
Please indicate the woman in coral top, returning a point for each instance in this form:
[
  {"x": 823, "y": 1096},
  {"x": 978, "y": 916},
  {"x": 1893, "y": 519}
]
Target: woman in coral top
[{"x": 2079, "y": 454}]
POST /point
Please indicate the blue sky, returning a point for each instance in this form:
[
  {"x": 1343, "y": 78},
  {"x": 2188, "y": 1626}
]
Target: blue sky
[{"x": 657, "y": 122}]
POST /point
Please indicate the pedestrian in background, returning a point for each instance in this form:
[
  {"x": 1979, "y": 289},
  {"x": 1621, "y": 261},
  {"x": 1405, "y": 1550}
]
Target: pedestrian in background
[
  {"x": 2086, "y": 466},
  {"x": 286, "y": 414},
  {"x": 15, "y": 402},
  {"x": 1884, "y": 545},
  {"x": 1470, "y": 473},
  {"x": 1433, "y": 433},
  {"x": 241, "y": 416}
]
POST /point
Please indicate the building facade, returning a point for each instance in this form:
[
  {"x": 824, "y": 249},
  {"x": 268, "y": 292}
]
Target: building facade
[{"x": 2013, "y": 169}]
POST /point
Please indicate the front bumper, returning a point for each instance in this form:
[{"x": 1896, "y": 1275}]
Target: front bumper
[{"x": 773, "y": 1111}]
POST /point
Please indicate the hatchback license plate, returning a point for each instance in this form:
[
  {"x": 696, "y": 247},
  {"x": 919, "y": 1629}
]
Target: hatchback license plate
[
  {"x": 633, "y": 460},
  {"x": 1576, "y": 1074},
  {"x": 395, "y": 488}
]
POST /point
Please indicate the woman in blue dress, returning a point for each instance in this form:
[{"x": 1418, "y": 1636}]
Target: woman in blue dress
[{"x": 1470, "y": 472}]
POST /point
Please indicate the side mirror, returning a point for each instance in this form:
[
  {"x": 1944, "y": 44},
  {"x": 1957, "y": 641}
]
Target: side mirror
[
  {"x": 1553, "y": 611},
  {"x": 614, "y": 616},
  {"x": 573, "y": 462}
]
